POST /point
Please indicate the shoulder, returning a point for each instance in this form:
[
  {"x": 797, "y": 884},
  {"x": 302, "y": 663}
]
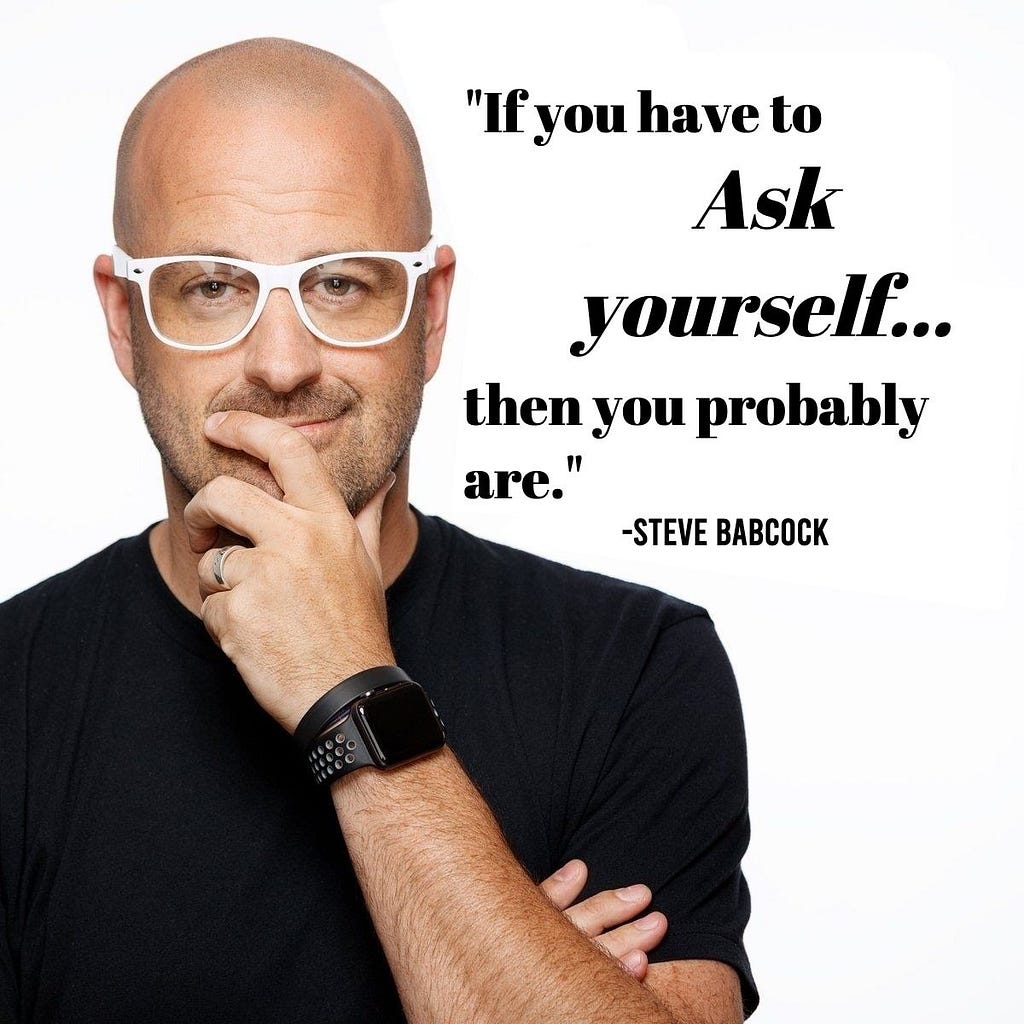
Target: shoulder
[
  {"x": 488, "y": 559},
  {"x": 569, "y": 603},
  {"x": 64, "y": 598}
]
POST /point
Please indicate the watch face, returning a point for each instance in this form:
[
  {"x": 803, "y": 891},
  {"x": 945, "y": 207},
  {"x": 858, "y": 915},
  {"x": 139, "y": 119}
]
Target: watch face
[{"x": 399, "y": 724}]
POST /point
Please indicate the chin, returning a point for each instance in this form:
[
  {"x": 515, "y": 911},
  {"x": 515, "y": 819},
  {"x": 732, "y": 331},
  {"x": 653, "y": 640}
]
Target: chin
[
  {"x": 356, "y": 489},
  {"x": 250, "y": 471}
]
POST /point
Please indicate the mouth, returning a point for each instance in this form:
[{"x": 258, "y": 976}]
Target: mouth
[{"x": 311, "y": 428}]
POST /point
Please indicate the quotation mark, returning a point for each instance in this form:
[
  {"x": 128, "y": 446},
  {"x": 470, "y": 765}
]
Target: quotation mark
[
  {"x": 573, "y": 461},
  {"x": 473, "y": 97}
]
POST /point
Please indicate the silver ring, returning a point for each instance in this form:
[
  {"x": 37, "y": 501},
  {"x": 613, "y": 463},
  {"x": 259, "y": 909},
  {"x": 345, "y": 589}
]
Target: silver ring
[{"x": 218, "y": 564}]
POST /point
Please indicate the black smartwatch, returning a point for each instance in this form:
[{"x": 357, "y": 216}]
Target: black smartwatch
[{"x": 389, "y": 722}]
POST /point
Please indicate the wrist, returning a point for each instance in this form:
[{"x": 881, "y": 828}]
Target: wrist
[
  {"x": 379, "y": 719},
  {"x": 328, "y": 676},
  {"x": 390, "y": 795}
]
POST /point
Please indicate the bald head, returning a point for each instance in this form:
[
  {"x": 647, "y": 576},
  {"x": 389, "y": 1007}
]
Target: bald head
[{"x": 255, "y": 74}]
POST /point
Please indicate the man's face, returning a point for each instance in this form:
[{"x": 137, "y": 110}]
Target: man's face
[{"x": 277, "y": 184}]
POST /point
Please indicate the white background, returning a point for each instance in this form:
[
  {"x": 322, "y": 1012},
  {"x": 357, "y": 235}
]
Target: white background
[{"x": 880, "y": 676}]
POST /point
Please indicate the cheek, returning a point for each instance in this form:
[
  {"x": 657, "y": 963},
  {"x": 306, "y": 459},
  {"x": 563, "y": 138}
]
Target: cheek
[
  {"x": 176, "y": 398},
  {"x": 186, "y": 380},
  {"x": 403, "y": 366},
  {"x": 188, "y": 383},
  {"x": 372, "y": 373}
]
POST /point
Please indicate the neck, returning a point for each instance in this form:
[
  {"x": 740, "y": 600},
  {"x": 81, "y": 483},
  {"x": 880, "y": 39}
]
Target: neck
[{"x": 178, "y": 564}]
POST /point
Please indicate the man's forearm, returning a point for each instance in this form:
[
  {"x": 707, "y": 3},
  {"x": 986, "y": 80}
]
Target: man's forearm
[{"x": 468, "y": 935}]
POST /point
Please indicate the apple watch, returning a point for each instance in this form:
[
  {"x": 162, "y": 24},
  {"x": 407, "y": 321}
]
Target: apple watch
[{"x": 379, "y": 718}]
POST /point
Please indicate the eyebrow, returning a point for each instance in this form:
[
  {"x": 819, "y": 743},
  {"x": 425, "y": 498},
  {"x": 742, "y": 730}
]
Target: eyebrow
[{"x": 200, "y": 248}]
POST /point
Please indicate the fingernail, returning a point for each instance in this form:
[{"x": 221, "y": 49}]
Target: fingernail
[
  {"x": 568, "y": 871},
  {"x": 632, "y": 893},
  {"x": 648, "y": 923},
  {"x": 216, "y": 419}
]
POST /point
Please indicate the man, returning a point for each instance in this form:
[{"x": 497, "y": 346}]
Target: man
[{"x": 277, "y": 303}]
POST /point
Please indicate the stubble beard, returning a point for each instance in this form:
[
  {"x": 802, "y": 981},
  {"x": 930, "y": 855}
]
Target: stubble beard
[{"x": 363, "y": 450}]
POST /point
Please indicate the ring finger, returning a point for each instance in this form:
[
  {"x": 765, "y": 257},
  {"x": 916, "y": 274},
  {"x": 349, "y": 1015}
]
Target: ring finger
[{"x": 234, "y": 565}]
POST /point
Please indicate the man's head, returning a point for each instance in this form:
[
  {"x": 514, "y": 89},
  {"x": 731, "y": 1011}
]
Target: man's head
[{"x": 274, "y": 152}]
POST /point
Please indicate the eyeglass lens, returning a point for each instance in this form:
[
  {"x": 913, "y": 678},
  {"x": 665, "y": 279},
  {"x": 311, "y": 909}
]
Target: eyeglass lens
[{"x": 201, "y": 302}]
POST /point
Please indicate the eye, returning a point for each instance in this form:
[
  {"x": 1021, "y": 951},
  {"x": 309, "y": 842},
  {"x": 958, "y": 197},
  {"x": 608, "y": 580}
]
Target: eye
[
  {"x": 336, "y": 285},
  {"x": 213, "y": 289}
]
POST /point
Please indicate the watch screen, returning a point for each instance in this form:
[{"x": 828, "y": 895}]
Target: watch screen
[{"x": 400, "y": 724}]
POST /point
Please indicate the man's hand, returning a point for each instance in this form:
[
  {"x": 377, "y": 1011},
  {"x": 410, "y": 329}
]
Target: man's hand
[
  {"x": 303, "y": 607},
  {"x": 607, "y": 917}
]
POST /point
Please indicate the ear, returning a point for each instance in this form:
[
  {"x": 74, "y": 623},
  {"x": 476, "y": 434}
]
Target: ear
[
  {"x": 439, "y": 290},
  {"x": 113, "y": 293}
]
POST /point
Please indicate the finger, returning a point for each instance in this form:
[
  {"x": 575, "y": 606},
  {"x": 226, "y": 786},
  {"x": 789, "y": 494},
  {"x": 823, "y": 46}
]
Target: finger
[
  {"x": 214, "y": 614},
  {"x": 643, "y": 934},
  {"x": 369, "y": 517},
  {"x": 565, "y": 884},
  {"x": 226, "y": 501},
  {"x": 235, "y": 567},
  {"x": 609, "y": 908},
  {"x": 635, "y": 962},
  {"x": 290, "y": 456}
]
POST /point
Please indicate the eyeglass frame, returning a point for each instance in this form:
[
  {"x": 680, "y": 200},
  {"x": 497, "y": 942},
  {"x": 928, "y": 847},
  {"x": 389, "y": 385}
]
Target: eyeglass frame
[{"x": 275, "y": 275}]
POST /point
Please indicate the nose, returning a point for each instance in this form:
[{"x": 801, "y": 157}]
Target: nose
[{"x": 280, "y": 353}]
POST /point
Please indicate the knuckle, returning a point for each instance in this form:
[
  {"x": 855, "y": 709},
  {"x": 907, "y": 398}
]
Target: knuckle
[
  {"x": 208, "y": 612},
  {"x": 218, "y": 488},
  {"x": 291, "y": 444},
  {"x": 279, "y": 565}
]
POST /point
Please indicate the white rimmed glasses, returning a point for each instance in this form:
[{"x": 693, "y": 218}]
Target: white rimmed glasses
[{"x": 206, "y": 303}]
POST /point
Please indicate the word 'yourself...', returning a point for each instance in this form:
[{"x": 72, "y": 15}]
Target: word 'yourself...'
[{"x": 728, "y": 316}]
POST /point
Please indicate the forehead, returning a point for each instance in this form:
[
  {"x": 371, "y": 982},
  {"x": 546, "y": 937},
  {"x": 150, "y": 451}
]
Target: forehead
[{"x": 269, "y": 179}]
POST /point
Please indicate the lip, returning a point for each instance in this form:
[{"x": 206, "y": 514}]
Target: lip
[{"x": 311, "y": 427}]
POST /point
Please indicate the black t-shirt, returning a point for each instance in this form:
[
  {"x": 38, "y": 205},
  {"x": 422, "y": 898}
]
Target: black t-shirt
[{"x": 163, "y": 856}]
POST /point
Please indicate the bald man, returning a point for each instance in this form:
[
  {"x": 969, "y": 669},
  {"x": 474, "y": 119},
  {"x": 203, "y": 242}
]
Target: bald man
[{"x": 185, "y": 833}]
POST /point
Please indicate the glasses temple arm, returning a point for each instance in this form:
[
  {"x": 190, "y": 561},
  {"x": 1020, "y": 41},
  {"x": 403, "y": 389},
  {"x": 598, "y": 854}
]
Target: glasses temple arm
[{"x": 120, "y": 258}]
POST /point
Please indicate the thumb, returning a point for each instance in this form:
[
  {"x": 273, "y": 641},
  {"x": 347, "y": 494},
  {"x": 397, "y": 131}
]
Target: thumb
[{"x": 369, "y": 517}]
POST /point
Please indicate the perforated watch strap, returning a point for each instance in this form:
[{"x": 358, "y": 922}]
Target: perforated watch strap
[{"x": 338, "y": 751}]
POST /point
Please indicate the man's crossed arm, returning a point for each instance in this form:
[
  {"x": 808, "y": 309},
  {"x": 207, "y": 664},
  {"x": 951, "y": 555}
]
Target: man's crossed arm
[
  {"x": 611, "y": 918},
  {"x": 468, "y": 935},
  {"x": 707, "y": 987}
]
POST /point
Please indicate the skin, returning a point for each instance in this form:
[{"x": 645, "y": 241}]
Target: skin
[
  {"x": 238, "y": 469},
  {"x": 608, "y": 916}
]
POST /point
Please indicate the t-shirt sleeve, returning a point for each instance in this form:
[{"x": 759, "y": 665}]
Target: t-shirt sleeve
[{"x": 669, "y": 807}]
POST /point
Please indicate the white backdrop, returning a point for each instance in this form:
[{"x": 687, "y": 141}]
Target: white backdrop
[{"x": 880, "y": 675}]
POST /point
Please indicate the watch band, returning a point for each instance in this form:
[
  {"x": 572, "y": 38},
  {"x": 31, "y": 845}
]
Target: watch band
[
  {"x": 384, "y": 728},
  {"x": 338, "y": 751},
  {"x": 338, "y": 698}
]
